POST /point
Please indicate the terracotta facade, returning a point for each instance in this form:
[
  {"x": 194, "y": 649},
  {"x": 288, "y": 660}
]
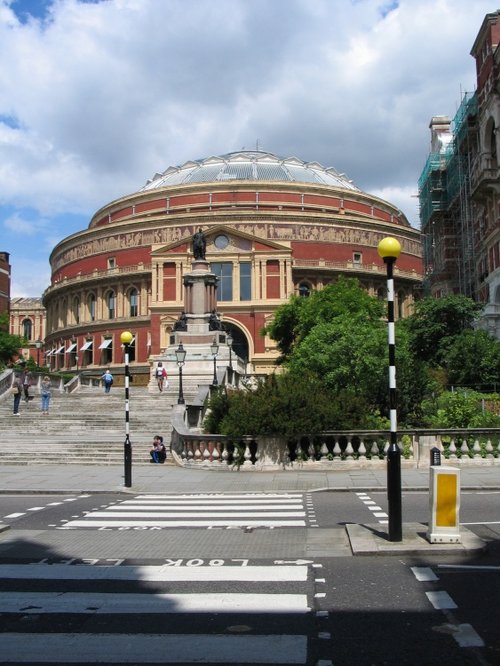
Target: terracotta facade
[{"x": 266, "y": 240}]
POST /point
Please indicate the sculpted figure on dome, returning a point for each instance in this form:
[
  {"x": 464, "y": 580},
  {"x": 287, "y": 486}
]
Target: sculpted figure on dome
[{"x": 199, "y": 245}]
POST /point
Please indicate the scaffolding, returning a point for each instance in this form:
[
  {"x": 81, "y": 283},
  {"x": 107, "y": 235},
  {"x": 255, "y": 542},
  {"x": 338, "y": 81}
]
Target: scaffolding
[{"x": 446, "y": 205}]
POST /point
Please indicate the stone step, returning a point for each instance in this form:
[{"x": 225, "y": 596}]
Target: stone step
[{"x": 88, "y": 424}]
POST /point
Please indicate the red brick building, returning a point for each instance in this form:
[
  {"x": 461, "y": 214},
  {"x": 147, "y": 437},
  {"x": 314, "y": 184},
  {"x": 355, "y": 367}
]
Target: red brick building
[{"x": 274, "y": 227}]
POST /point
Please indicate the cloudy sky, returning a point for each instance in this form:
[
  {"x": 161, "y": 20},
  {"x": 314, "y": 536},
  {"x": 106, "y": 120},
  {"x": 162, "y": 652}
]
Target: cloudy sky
[{"x": 97, "y": 96}]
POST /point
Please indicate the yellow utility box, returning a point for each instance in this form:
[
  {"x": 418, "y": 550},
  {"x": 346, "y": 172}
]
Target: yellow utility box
[{"x": 444, "y": 505}]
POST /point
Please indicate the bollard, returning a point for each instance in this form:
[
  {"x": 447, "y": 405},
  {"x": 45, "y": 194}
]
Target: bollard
[
  {"x": 444, "y": 505},
  {"x": 435, "y": 456}
]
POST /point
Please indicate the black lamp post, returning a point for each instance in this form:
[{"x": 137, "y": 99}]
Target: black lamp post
[
  {"x": 389, "y": 249},
  {"x": 126, "y": 338},
  {"x": 214, "y": 350},
  {"x": 38, "y": 345},
  {"x": 230, "y": 345},
  {"x": 180, "y": 355}
]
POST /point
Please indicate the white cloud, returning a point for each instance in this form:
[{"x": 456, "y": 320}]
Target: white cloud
[
  {"x": 97, "y": 97},
  {"x": 19, "y": 225}
]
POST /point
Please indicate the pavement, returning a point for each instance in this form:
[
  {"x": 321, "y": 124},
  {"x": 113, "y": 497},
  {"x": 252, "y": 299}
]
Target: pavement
[{"x": 365, "y": 539}]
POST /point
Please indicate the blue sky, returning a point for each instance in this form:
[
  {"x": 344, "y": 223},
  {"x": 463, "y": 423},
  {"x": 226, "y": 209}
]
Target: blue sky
[{"x": 97, "y": 96}]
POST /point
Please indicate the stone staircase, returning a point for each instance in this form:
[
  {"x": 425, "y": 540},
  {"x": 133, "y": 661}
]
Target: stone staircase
[{"x": 85, "y": 427}]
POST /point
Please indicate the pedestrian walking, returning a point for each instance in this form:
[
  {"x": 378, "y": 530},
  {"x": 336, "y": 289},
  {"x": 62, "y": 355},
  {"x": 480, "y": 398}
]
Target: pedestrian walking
[
  {"x": 26, "y": 379},
  {"x": 161, "y": 377},
  {"x": 46, "y": 394},
  {"x": 17, "y": 391},
  {"x": 107, "y": 379}
]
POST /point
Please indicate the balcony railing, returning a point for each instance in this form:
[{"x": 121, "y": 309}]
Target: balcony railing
[
  {"x": 353, "y": 266},
  {"x": 98, "y": 274}
]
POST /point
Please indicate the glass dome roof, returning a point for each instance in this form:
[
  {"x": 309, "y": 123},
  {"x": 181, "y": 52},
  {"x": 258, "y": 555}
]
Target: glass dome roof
[{"x": 251, "y": 165}]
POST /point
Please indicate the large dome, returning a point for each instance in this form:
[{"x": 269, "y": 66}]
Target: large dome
[{"x": 251, "y": 165}]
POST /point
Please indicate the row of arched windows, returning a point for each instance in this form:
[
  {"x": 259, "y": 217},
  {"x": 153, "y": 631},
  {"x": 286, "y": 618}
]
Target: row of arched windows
[{"x": 132, "y": 299}]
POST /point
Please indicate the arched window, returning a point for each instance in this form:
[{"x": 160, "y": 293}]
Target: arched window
[
  {"x": 91, "y": 305},
  {"x": 133, "y": 298},
  {"x": 111, "y": 303},
  {"x": 27, "y": 328},
  {"x": 381, "y": 293},
  {"x": 76, "y": 310},
  {"x": 304, "y": 289}
]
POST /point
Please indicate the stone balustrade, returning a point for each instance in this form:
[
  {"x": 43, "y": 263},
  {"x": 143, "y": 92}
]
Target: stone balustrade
[{"x": 337, "y": 450}]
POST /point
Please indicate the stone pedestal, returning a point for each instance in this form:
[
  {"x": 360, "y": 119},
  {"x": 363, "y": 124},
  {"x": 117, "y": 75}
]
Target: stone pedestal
[{"x": 196, "y": 329}]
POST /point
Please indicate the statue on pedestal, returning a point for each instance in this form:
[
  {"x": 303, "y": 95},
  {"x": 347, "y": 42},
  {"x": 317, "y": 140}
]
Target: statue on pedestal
[
  {"x": 199, "y": 245},
  {"x": 214, "y": 323},
  {"x": 181, "y": 323}
]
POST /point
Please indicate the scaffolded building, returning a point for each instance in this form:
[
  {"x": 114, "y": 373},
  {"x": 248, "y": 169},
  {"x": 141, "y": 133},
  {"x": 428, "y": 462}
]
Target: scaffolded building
[
  {"x": 459, "y": 189},
  {"x": 446, "y": 206}
]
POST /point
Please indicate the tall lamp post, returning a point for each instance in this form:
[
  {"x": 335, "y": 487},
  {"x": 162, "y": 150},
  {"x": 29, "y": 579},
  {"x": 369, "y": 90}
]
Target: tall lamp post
[
  {"x": 180, "y": 355},
  {"x": 389, "y": 249},
  {"x": 38, "y": 345},
  {"x": 230, "y": 345},
  {"x": 214, "y": 350},
  {"x": 126, "y": 338}
]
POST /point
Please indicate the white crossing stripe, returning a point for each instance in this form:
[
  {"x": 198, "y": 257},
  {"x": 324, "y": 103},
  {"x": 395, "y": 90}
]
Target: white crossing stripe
[
  {"x": 467, "y": 636},
  {"x": 101, "y": 602},
  {"x": 424, "y": 574},
  {"x": 156, "y": 649},
  {"x": 198, "y": 511},
  {"x": 113, "y": 513},
  {"x": 224, "y": 496},
  {"x": 441, "y": 600},
  {"x": 153, "y": 573},
  {"x": 184, "y": 523}
]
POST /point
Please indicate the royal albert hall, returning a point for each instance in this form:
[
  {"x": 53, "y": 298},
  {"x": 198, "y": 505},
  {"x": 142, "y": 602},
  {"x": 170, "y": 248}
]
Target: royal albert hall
[{"x": 273, "y": 227}]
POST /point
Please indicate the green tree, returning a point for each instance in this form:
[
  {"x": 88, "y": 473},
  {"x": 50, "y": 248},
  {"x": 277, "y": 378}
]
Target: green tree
[
  {"x": 436, "y": 321},
  {"x": 294, "y": 321},
  {"x": 284, "y": 329},
  {"x": 338, "y": 336},
  {"x": 472, "y": 359},
  {"x": 345, "y": 353},
  {"x": 9, "y": 344}
]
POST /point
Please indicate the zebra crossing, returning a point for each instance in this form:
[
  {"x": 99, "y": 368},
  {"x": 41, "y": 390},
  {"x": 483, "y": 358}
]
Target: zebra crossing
[
  {"x": 234, "y": 614},
  {"x": 208, "y": 510}
]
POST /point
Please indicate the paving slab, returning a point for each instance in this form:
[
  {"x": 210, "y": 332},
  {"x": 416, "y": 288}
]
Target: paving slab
[
  {"x": 146, "y": 478},
  {"x": 370, "y": 539}
]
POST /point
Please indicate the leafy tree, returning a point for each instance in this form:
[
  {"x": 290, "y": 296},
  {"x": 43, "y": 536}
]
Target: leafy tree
[
  {"x": 339, "y": 338},
  {"x": 352, "y": 355},
  {"x": 344, "y": 355},
  {"x": 218, "y": 406},
  {"x": 472, "y": 359},
  {"x": 284, "y": 328},
  {"x": 9, "y": 344},
  {"x": 296, "y": 319},
  {"x": 437, "y": 320}
]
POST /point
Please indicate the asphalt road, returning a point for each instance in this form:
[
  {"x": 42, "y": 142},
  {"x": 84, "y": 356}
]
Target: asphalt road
[{"x": 81, "y": 585}]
